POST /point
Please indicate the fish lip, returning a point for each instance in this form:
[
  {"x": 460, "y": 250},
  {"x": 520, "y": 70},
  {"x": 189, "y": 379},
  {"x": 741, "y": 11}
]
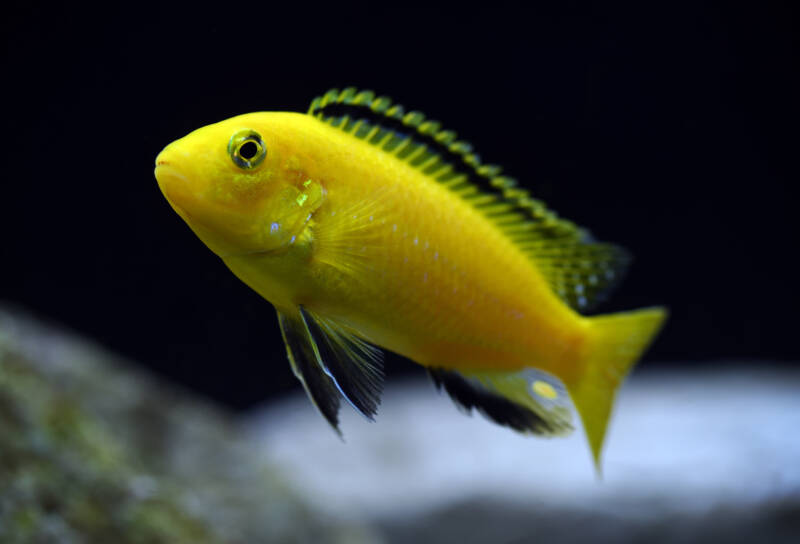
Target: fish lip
[
  {"x": 169, "y": 169},
  {"x": 172, "y": 184}
]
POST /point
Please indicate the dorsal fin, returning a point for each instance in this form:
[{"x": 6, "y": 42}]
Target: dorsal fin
[{"x": 580, "y": 271}]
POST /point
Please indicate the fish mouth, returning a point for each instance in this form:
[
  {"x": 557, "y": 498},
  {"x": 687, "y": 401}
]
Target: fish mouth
[
  {"x": 175, "y": 188},
  {"x": 170, "y": 179},
  {"x": 165, "y": 169}
]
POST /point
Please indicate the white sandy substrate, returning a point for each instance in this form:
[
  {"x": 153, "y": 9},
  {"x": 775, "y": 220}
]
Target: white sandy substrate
[{"x": 691, "y": 440}]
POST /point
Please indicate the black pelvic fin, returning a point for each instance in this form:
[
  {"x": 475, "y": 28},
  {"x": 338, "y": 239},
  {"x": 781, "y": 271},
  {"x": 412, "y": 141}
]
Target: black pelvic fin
[
  {"x": 319, "y": 387},
  {"x": 354, "y": 365}
]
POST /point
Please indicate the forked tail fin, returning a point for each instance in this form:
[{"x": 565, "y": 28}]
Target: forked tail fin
[{"x": 617, "y": 342}]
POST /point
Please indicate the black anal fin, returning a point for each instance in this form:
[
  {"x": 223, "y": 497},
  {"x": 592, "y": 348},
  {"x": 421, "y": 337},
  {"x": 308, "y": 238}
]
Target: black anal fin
[{"x": 469, "y": 395}]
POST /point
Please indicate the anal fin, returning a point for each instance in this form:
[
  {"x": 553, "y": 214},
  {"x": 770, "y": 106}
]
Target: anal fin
[{"x": 527, "y": 401}]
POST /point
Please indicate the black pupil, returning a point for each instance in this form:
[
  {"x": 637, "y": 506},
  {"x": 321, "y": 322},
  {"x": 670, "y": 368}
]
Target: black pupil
[{"x": 248, "y": 150}]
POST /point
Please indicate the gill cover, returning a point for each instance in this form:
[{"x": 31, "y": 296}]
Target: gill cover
[{"x": 288, "y": 209}]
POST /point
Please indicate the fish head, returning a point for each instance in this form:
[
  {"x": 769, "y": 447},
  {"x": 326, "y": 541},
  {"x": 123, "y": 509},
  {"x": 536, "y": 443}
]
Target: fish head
[{"x": 237, "y": 184}]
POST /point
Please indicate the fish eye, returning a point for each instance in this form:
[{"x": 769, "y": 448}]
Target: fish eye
[{"x": 247, "y": 149}]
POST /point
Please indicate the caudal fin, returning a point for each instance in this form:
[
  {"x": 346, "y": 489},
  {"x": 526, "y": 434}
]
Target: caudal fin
[{"x": 616, "y": 342}]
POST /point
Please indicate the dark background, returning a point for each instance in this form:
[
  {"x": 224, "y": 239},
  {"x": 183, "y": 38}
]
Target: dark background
[{"x": 671, "y": 130}]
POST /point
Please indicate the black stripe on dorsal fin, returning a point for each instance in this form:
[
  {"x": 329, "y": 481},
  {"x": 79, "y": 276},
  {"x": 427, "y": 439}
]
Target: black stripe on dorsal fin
[{"x": 578, "y": 270}]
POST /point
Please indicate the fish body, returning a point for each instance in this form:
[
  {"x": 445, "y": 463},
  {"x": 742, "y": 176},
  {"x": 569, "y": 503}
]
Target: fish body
[{"x": 367, "y": 226}]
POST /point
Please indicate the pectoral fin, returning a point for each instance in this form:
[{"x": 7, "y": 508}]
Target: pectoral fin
[{"x": 330, "y": 360}]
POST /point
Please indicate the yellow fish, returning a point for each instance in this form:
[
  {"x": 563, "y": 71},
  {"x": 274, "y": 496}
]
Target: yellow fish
[{"x": 365, "y": 225}]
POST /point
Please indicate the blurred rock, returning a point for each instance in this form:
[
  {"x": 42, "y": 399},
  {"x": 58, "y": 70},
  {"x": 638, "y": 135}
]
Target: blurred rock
[
  {"x": 93, "y": 452},
  {"x": 487, "y": 520},
  {"x": 698, "y": 454}
]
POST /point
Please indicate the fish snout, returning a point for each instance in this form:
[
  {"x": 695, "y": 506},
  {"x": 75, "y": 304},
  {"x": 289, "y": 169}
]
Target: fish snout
[{"x": 172, "y": 181}]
